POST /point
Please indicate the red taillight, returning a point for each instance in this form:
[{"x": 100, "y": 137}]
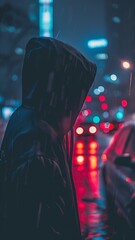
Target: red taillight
[
  {"x": 92, "y": 129},
  {"x": 79, "y": 148},
  {"x": 80, "y": 159},
  {"x": 79, "y": 130},
  {"x": 79, "y": 144},
  {"x": 93, "y": 160},
  {"x": 111, "y": 126},
  {"x": 93, "y": 145}
]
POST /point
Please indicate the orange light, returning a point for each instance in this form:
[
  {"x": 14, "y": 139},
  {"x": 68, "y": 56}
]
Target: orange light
[
  {"x": 80, "y": 151},
  {"x": 79, "y": 148},
  {"x": 93, "y": 162},
  {"x": 104, "y": 157},
  {"x": 93, "y": 145},
  {"x": 92, "y": 129},
  {"x": 80, "y": 159},
  {"x": 79, "y": 130},
  {"x": 79, "y": 145},
  {"x": 93, "y": 151}
]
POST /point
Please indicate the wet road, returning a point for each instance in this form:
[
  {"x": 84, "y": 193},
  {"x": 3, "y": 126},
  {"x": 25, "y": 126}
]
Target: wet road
[
  {"x": 90, "y": 189},
  {"x": 91, "y": 204}
]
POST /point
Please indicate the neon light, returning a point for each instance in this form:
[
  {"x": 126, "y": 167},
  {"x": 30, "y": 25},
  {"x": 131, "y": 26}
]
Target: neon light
[
  {"x": 46, "y": 18},
  {"x": 97, "y": 43}
]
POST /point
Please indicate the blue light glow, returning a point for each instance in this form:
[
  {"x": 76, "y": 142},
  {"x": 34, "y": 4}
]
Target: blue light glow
[
  {"x": 7, "y": 112},
  {"x": 96, "y": 91},
  {"x": 119, "y": 115},
  {"x": 45, "y": 1},
  {"x": 102, "y": 56},
  {"x": 113, "y": 77},
  {"x": 101, "y": 89},
  {"x": 96, "y": 119},
  {"x": 105, "y": 114},
  {"x": 46, "y": 18},
  {"x": 97, "y": 43},
  {"x": 116, "y": 19}
]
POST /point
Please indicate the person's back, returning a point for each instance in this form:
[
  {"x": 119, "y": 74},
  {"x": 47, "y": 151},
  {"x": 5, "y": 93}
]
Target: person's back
[{"x": 38, "y": 197}]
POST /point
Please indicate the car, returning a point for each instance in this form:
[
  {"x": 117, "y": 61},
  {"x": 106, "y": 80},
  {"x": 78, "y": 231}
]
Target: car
[
  {"x": 119, "y": 172},
  {"x": 110, "y": 127},
  {"x": 86, "y": 147},
  {"x": 85, "y": 129}
]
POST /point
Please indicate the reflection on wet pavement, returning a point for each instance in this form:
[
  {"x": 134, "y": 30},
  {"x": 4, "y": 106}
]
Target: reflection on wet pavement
[
  {"x": 90, "y": 191},
  {"x": 91, "y": 203}
]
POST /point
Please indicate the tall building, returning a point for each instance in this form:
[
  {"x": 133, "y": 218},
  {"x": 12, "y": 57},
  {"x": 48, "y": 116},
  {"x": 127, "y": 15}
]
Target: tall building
[{"x": 120, "y": 20}]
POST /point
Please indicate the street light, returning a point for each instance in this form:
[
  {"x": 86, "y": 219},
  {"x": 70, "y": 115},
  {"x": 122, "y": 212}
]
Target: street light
[{"x": 126, "y": 64}]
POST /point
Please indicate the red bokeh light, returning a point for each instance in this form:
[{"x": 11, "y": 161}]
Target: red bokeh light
[
  {"x": 124, "y": 103},
  {"x": 111, "y": 126},
  {"x": 86, "y": 112},
  {"x": 104, "y": 106},
  {"x": 102, "y": 98},
  {"x": 120, "y": 125},
  {"x": 88, "y": 99}
]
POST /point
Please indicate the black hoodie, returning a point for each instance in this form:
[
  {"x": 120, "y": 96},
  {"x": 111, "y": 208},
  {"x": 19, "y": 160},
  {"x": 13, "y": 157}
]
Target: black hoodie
[{"x": 38, "y": 196}]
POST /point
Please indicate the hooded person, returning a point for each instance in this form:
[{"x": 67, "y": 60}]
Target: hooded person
[{"x": 38, "y": 195}]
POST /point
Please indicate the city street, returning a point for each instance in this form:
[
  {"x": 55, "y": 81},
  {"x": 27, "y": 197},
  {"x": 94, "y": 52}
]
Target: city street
[
  {"x": 67, "y": 120},
  {"x": 96, "y": 222},
  {"x": 90, "y": 189}
]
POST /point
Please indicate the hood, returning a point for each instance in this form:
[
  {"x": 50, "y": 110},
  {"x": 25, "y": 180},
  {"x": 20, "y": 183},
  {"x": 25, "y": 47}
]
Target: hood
[{"x": 55, "y": 81}]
